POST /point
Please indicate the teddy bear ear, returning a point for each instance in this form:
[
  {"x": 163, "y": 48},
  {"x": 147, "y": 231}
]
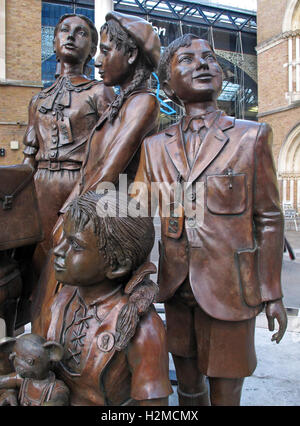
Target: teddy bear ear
[
  {"x": 56, "y": 350},
  {"x": 7, "y": 344}
]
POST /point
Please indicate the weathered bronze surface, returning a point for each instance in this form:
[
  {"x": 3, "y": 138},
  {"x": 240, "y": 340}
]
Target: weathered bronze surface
[
  {"x": 20, "y": 226},
  {"x": 217, "y": 269},
  {"x": 114, "y": 145},
  {"x": 32, "y": 383},
  {"x": 99, "y": 258},
  {"x": 61, "y": 117}
]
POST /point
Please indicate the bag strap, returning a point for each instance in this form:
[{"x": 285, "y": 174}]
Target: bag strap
[{"x": 8, "y": 198}]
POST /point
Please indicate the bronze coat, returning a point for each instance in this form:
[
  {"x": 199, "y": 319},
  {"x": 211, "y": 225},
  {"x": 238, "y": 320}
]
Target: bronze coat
[{"x": 234, "y": 258}]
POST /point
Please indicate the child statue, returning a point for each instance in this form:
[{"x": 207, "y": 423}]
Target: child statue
[{"x": 100, "y": 259}]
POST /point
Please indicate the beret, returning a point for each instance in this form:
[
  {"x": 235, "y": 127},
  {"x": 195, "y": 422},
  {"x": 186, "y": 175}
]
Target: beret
[{"x": 143, "y": 34}]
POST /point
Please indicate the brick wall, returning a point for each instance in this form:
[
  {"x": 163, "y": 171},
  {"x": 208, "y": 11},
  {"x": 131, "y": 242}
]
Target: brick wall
[
  {"x": 272, "y": 77},
  {"x": 23, "y": 73},
  {"x": 269, "y": 18},
  {"x": 274, "y": 107},
  {"x": 23, "y": 40}
]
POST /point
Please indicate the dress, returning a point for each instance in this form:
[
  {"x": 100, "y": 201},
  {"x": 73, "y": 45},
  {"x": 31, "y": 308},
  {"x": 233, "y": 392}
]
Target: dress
[{"x": 61, "y": 118}]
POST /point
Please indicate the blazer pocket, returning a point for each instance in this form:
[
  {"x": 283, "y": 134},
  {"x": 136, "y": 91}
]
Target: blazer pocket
[
  {"x": 248, "y": 274},
  {"x": 226, "y": 194}
]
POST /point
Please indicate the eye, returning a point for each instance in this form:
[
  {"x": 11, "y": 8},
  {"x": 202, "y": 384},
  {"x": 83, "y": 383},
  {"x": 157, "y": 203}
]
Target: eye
[
  {"x": 210, "y": 57},
  {"x": 82, "y": 33},
  {"x": 30, "y": 361},
  {"x": 186, "y": 59},
  {"x": 103, "y": 51},
  {"x": 75, "y": 245}
]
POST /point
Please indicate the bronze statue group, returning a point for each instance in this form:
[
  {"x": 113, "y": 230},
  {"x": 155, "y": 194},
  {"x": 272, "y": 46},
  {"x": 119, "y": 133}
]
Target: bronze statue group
[{"x": 96, "y": 337}]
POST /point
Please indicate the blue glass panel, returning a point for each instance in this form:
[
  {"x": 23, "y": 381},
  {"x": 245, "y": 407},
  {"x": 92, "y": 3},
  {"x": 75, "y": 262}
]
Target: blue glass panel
[{"x": 86, "y": 12}]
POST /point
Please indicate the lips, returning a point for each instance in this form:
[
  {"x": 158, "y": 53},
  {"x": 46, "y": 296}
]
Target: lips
[
  {"x": 58, "y": 267},
  {"x": 70, "y": 46},
  {"x": 203, "y": 76}
]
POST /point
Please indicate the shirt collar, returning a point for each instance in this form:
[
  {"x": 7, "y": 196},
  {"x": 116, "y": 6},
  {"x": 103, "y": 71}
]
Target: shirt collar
[
  {"x": 207, "y": 118},
  {"x": 103, "y": 298}
]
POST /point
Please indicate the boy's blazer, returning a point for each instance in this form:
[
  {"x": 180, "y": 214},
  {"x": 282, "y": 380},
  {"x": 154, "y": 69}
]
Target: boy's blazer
[{"x": 234, "y": 257}]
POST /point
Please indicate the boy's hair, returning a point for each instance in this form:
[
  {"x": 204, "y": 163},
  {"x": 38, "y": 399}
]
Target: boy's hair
[
  {"x": 120, "y": 235},
  {"x": 164, "y": 66},
  {"x": 123, "y": 40},
  {"x": 94, "y": 32}
]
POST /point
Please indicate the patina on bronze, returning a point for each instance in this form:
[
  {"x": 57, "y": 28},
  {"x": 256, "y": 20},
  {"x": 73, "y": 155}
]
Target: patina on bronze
[
  {"x": 129, "y": 52},
  {"x": 102, "y": 253},
  {"x": 32, "y": 383},
  {"x": 61, "y": 117},
  {"x": 215, "y": 274}
]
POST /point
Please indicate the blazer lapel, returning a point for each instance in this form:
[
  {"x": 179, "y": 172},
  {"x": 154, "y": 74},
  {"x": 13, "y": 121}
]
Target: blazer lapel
[
  {"x": 176, "y": 151},
  {"x": 211, "y": 146}
]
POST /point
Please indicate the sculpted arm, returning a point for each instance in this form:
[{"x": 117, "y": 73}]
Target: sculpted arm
[
  {"x": 269, "y": 227},
  {"x": 141, "y": 188},
  {"x": 147, "y": 356},
  {"x": 10, "y": 381},
  {"x": 103, "y": 98},
  {"x": 139, "y": 118},
  {"x": 30, "y": 138}
]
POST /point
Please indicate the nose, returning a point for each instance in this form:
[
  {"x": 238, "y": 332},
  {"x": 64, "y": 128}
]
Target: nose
[
  {"x": 98, "y": 61},
  {"x": 202, "y": 63},
  {"x": 71, "y": 35},
  {"x": 60, "y": 249}
]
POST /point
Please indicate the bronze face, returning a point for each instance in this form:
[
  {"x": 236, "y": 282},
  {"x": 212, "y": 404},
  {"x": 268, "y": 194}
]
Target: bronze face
[
  {"x": 73, "y": 40},
  {"x": 196, "y": 75},
  {"x": 78, "y": 260},
  {"x": 113, "y": 64},
  {"x": 30, "y": 360}
]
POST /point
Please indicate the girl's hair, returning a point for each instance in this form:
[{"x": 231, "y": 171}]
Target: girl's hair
[
  {"x": 142, "y": 71},
  {"x": 94, "y": 34},
  {"x": 120, "y": 233}
]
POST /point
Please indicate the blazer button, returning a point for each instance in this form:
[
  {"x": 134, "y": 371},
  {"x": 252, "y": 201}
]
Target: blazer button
[
  {"x": 191, "y": 196},
  {"x": 191, "y": 222}
]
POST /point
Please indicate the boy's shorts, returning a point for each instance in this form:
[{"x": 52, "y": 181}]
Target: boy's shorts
[{"x": 223, "y": 348}]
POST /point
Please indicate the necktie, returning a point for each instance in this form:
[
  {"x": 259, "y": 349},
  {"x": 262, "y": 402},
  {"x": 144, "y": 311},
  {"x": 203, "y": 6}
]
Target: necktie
[{"x": 194, "y": 135}]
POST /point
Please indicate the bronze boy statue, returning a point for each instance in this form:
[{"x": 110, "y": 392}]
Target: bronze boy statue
[
  {"x": 101, "y": 255},
  {"x": 220, "y": 268}
]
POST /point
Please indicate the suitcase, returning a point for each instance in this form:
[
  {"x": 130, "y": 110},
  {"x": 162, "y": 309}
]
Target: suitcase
[{"x": 20, "y": 222}]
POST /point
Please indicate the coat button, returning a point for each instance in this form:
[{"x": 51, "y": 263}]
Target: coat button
[
  {"x": 191, "y": 196},
  {"x": 191, "y": 221}
]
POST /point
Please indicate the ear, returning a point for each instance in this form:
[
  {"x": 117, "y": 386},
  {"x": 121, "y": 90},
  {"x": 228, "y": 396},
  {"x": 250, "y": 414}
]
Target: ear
[
  {"x": 171, "y": 93},
  {"x": 56, "y": 350},
  {"x": 7, "y": 344},
  {"x": 119, "y": 270},
  {"x": 54, "y": 41},
  {"x": 132, "y": 55}
]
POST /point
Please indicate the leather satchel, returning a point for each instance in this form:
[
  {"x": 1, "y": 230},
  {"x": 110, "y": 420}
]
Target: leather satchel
[{"x": 20, "y": 222}]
